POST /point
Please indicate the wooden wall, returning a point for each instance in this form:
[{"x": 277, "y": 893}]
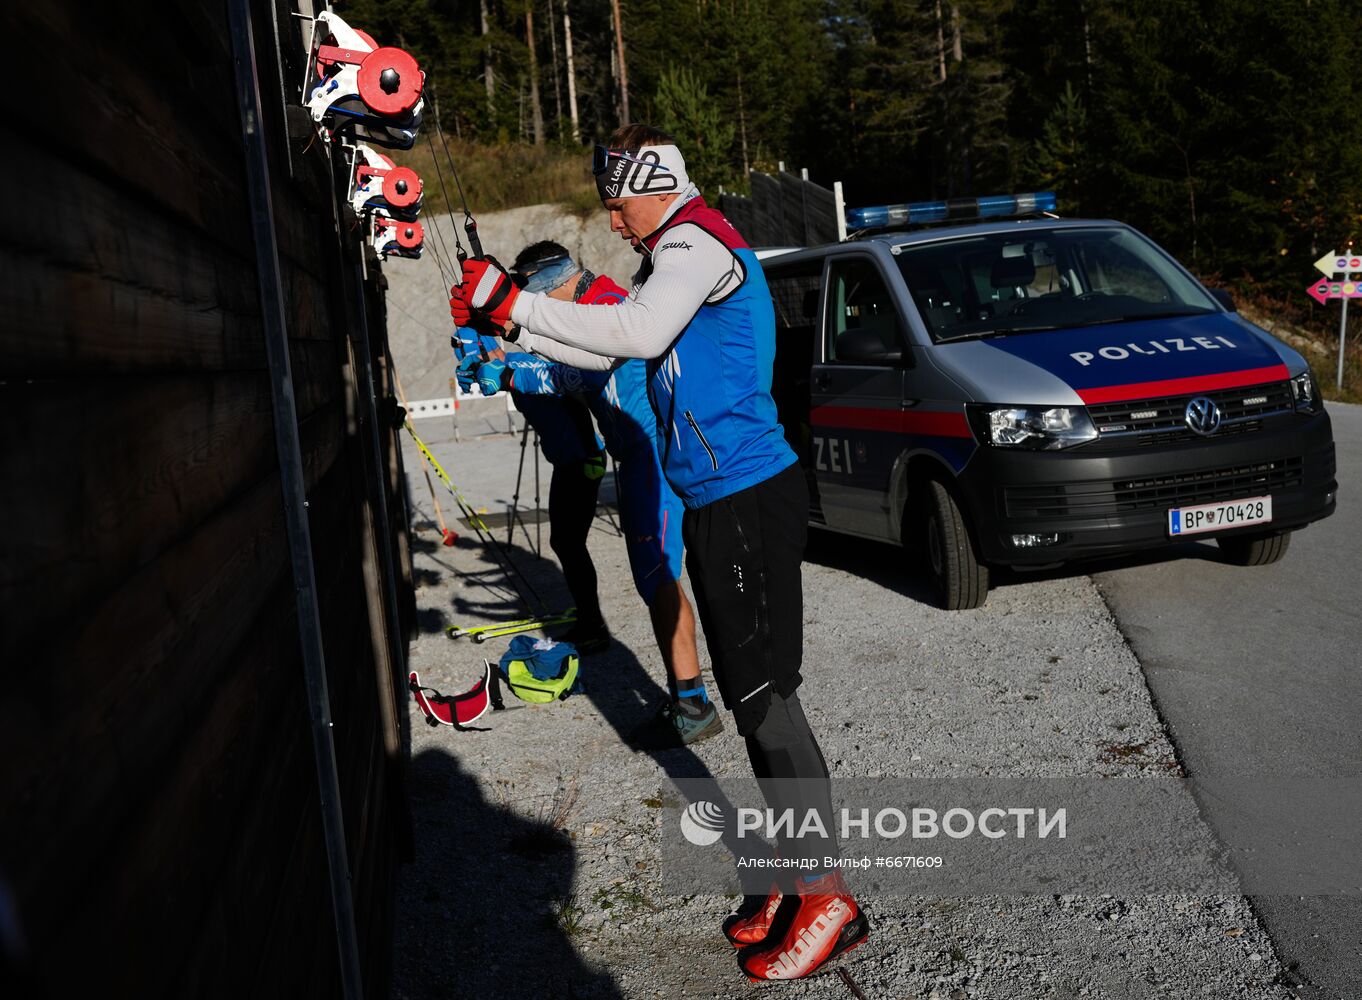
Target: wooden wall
[{"x": 159, "y": 823}]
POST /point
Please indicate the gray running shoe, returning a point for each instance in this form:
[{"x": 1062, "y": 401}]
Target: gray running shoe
[{"x": 674, "y": 727}]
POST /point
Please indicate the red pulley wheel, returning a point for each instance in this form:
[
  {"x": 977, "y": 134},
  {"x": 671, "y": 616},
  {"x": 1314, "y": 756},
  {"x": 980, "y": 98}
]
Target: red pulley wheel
[
  {"x": 401, "y": 187},
  {"x": 409, "y": 234},
  {"x": 390, "y": 81}
]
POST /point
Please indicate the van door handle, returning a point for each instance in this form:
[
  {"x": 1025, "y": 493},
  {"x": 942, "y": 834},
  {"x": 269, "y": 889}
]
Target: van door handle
[{"x": 821, "y": 380}]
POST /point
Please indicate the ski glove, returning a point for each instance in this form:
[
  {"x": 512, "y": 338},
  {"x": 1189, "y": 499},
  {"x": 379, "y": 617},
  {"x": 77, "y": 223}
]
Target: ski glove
[
  {"x": 493, "y": 376},
  {"x": 486, "y": 289},
  {"x": 458, "y": 309},
  {"x": 467, "y": 372}
]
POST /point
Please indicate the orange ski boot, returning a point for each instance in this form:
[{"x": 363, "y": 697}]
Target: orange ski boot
[{"x": 827, "y": 923}]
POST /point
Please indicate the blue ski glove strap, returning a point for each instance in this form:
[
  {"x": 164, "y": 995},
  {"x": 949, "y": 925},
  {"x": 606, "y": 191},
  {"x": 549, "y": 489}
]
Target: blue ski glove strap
[
  {"x": 493, "y": 376},
  {"x": 533, "y": 375}
]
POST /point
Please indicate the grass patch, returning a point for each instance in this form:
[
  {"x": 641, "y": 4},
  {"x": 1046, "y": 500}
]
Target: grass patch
[
  {"x": 626, "y": 897},
  {"x": 498, "y": 177},
  {"x": 546, "y": 833},
  {"x": 566, "y": 915}
]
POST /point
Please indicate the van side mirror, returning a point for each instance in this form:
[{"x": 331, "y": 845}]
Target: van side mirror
[
  {"x": 1223, "y": 296},
  {"x": 864, "y": 345}
]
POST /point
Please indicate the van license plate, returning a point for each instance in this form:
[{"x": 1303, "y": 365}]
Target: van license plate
[{"x": 1215, "y": 516}]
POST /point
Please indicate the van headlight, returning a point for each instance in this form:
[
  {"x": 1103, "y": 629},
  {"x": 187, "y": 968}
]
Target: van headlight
[
  {"x": 1034, "y": 427},
  {"x": 1305, "y": 391}
]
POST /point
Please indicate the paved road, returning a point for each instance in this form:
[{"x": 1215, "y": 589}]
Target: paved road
[{"x": 1256, "y": 672}]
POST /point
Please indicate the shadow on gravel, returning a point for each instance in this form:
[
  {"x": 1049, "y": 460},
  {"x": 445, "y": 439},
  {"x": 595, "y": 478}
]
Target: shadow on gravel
[
  {"x": 487, "y": 910},
  {"x": 890, "y": 566},
  {"x": 627, "y": 696},
  {"x": 1204, "y": 551},
  {"x": 626, "y": 693},
  {"x": 900, "y": 570}
]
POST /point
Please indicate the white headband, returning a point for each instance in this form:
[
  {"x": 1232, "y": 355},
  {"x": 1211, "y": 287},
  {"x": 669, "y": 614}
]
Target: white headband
[{"x": 634, "y": 173}]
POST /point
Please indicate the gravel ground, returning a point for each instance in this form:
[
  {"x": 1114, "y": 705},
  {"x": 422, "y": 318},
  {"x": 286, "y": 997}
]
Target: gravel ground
[{"x": 537, "y": 839}]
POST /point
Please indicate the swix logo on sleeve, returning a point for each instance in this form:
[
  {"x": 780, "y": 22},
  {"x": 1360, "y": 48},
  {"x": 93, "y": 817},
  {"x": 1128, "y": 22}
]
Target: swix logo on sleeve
[{"x": 1168, "y": 345}]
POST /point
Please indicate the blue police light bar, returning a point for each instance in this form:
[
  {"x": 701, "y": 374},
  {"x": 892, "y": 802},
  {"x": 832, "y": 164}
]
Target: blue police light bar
[{"x": 992, "y": 207}]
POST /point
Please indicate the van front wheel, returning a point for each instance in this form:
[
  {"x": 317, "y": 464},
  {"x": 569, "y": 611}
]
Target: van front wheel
[
  {"x": 959, "y": 578},
  {"x": 1255, "y": 550}
]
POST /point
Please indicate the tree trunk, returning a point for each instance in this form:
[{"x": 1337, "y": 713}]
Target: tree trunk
[
  {"x": 571, "y": 73},
  {"x": 557, "y": 74},
  {"x": 957, "y": 49},
  {"x": 940, "y": 45},
  {"x": 742, "y": 128},
  {"x": 487, "y": 78},
  {"x": 623, "y": 66},
  {"x": 1087, "y": 51},
  {"x": 536, "y": 108}
]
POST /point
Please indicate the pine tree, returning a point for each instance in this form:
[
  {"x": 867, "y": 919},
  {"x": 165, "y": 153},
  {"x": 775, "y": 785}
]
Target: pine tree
[
  {"x": 684, "y": 108},
  {"x": 1058, "y": 158}
]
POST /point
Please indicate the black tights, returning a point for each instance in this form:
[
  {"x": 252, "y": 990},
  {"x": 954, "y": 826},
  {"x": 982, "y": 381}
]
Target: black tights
[
  {"x": 793, "y": 775},
  {"x": 572, "y": 508}
]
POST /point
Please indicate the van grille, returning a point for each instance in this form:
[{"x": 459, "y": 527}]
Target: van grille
[
  {"x": 1123, "y": 496},
  {"x": 1140, "y": 423}
]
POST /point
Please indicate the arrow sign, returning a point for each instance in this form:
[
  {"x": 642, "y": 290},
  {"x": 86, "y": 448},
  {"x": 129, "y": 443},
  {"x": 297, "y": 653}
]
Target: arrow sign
[
  {"x": 1323, "y": 291},
  {"x": 1337, "y": 263}
]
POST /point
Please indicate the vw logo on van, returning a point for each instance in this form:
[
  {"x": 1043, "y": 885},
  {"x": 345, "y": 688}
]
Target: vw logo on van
[{"x": 1202, "y": 415}]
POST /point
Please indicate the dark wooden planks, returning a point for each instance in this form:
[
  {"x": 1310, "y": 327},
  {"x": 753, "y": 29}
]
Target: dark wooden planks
[
  {"x": 111, "y": 470},
  {"x": 156, "y": 767},
  {"x": 138, "y": 666}
]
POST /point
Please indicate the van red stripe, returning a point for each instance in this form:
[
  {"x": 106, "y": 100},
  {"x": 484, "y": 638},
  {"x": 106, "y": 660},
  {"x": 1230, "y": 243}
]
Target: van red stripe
[
  {"x": 936, "y": 422},
  {"x": 1178, "y": 386}
]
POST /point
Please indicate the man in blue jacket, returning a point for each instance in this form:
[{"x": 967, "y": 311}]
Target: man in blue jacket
[
  {"x": 650, "y": 513},
  {"x": 700, "y": 312}
]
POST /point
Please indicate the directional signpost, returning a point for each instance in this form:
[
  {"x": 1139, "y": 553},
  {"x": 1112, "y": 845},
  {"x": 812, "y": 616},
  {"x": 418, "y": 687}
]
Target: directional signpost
[{"x": 1337, "y": 269}]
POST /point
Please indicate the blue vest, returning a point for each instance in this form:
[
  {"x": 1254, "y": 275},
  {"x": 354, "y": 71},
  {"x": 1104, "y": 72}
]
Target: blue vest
[{"x": 717, "y": 427}]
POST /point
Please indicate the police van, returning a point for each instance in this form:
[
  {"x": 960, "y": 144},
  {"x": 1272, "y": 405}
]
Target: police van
[{"x": 1021, "y": 390}]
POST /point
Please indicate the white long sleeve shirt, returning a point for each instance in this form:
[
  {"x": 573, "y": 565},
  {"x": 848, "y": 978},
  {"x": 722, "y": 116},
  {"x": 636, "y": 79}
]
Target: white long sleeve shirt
[{"x": 689, "y": 268}]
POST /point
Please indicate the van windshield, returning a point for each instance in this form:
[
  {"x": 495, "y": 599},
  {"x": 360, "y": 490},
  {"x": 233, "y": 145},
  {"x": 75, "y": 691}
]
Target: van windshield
[{"x": 1012, "y": 283}]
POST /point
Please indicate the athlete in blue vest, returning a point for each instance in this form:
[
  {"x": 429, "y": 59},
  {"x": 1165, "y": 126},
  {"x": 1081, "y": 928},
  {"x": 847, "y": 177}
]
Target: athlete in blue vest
[
  {"x": 701, "y": 314},
  {"x": 650, "y": 513}
]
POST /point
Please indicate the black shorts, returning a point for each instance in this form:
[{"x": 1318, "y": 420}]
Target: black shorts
[{"x": 743, "y": 553}]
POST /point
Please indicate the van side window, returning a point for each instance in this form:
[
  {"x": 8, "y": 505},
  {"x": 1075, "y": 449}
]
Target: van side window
[
  {"x": 859, "y": 303},
  {"x": 795, "y": 297}
]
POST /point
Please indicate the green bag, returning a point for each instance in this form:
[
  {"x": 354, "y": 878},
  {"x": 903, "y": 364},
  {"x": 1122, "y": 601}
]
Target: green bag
[{"x": 540, "y": 670}]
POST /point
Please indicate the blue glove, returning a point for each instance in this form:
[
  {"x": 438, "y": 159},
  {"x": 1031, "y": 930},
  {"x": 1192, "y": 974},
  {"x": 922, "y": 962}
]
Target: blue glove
[
  {"x": 493, "y": 376},
  {"x": 467, "y": 372},
  {"x": 467, "y": 340},
  {"x": 533, "y": 375}
]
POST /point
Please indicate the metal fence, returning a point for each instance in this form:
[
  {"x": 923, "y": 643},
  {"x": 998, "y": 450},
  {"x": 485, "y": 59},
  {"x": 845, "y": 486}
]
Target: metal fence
[{"x": 786, "y": 210}]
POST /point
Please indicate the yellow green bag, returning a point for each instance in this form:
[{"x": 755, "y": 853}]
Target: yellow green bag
[{"x": 540, "y": 670}]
